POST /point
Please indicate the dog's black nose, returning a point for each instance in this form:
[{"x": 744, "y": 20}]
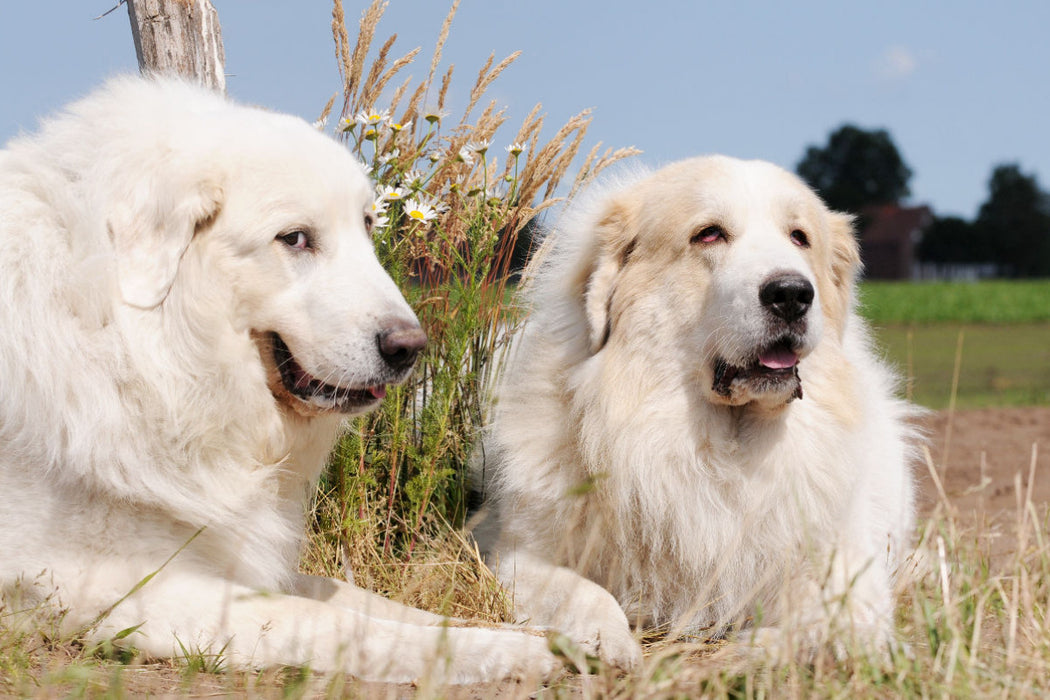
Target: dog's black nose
[
  {"x": 787, "y": 296},
  {"x": 400, "y": 342}
]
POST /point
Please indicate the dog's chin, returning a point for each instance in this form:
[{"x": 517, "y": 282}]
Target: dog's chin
[
  {"x": 306, "y": 395},
  {"x": 767, "y": 379}
]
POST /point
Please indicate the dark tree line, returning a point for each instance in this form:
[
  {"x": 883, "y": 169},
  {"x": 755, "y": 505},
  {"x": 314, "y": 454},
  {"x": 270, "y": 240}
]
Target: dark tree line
[{"x": 858, "y": 169}]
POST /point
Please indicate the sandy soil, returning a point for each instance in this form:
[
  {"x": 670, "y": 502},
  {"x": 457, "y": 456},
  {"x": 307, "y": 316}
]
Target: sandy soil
[{"x": 979, "y": 455}]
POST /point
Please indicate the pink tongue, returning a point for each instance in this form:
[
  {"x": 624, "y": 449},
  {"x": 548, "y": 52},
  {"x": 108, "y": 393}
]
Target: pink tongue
[
  {"x": 777, "y": 358},
  {"x": 377, "y": 391}
]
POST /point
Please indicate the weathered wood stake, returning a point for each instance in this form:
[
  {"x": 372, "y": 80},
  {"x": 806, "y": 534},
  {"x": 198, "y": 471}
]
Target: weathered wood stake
[{"x": 181, "y": 37}]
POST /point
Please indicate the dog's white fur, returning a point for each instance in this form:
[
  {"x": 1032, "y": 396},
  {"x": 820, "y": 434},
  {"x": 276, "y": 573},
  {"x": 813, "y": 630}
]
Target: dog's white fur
[
  {"x": 625, "y": 488},
  {"x": 149, "y": 249}
]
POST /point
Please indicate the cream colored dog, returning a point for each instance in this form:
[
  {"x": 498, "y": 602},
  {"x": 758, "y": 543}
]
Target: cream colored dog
[
  {"x": 190, "y": 308},
  {"x": 693, "y": 431}
]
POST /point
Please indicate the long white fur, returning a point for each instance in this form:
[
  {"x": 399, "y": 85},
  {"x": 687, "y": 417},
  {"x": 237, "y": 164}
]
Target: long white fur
[
  {"x": 625, "y": 492},
  {"x": 139, "y": 432}
]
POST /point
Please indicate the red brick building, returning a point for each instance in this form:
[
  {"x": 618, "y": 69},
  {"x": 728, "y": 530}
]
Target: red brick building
[{"x": 889, "y": 237}]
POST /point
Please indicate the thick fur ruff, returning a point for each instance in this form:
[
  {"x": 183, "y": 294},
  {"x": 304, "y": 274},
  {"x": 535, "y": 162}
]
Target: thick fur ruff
[{"x": 673, "y": 445}]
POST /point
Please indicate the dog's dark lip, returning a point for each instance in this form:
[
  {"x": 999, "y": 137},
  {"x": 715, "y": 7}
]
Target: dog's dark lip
[
  {"x": 771, "y": 366},
  {"x": 311, "y": 390}
]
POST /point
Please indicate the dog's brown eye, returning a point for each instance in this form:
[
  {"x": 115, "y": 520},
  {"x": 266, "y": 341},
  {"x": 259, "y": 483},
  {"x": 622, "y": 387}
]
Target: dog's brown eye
[
  {"x": 709, "y": 234},
  {"x": 799, "y": 238},
  {"x": 370, "y": 223},
  {"x": 295, "y": 239}
]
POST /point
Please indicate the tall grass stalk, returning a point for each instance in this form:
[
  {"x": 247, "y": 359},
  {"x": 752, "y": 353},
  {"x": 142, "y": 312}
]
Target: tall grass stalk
[{"x": 450, "y": 205}]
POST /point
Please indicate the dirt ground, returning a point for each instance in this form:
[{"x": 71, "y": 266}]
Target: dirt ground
[{"x": 979, "y": 455}]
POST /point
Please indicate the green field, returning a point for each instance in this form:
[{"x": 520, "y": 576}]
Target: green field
[
  {"x": 1004, "y": 359},
  {"x": 999, "y": 365},
  {"x": 997, "y": 301}
]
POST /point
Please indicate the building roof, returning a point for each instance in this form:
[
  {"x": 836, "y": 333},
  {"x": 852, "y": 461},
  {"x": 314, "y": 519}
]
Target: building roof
[{"x": 892, "y": 222}]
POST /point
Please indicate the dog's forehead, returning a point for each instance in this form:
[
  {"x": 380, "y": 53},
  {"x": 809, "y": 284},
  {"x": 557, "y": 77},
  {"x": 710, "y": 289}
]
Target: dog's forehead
[
  {"x": 723, "y": 190},
  {"x": 293, "y": 157}
]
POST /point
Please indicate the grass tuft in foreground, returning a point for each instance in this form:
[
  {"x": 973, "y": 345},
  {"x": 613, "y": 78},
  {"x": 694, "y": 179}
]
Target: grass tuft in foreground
[
  {"x": 453, "y": 194},
  {"x": 972, "y": 615}
]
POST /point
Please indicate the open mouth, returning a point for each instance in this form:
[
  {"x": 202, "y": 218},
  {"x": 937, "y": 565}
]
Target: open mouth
[
  {"x": 309, "y": 389},
  {"x": 773, "y": 368}
]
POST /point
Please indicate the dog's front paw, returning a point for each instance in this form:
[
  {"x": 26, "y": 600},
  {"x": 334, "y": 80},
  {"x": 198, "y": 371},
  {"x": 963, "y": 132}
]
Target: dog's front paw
[
  {"x": 609, "y": 640},
  {"x": 616, "y": 645},
  {"x": 534, "y": 659},
  {"x": 486, "y": 654}
]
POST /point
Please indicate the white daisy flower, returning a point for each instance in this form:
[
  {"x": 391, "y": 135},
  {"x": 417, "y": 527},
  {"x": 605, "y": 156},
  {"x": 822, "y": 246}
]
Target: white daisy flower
[
  {"x": 434, "y": 115},
  {"x": 393, "y": 194},
  {"x": 395, "y": 127},
  {"x": 413, "y": 179},
  {"x": 346, "y": 124},
  {"x": 516, "y": 149},
  {"x": 465, "y": 156},
  {"x": 479, "y": 147},
  {"x": 489, "y": 194},
  {"x": 420, "y": 210},
  {"x": 379, "y": 206},
  {"x": 389, "y": 156},
  {"x": 434, "y": 203},
  {"x": 373, "y": 117}
]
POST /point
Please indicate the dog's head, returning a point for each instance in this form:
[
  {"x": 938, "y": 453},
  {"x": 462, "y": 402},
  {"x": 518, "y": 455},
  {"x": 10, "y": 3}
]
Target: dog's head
[
  {"x": 728, "y": 272},
  {"x": 257, "y": 221}
]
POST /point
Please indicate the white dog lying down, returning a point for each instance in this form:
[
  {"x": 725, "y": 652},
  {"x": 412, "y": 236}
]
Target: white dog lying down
[
  {"x": 693, "y": 430},
  {"x": 190, "y": 308}
]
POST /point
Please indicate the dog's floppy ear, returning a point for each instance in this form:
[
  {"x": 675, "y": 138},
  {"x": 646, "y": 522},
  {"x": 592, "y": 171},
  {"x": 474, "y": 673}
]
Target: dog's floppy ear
[
  {"x": 845, "y": 259},
  {"x": 845, "y": 251},
  {"x": 611, "y": 252},
  {"x": 151, "y": 228}
]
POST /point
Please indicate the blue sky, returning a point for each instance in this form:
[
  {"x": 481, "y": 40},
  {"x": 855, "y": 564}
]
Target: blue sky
[{"x": 961, "y": 85}]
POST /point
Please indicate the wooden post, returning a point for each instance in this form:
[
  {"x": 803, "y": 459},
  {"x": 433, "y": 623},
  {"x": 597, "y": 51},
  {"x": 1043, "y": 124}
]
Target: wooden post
[{"x": 181, "y": 37}]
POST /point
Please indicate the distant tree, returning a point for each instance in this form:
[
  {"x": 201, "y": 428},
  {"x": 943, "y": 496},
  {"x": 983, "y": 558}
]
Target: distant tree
[
  {"x": 1015, "y": 221},
  {"x": 857, "y": 168},
  {"x": 951, "y": 239}
]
